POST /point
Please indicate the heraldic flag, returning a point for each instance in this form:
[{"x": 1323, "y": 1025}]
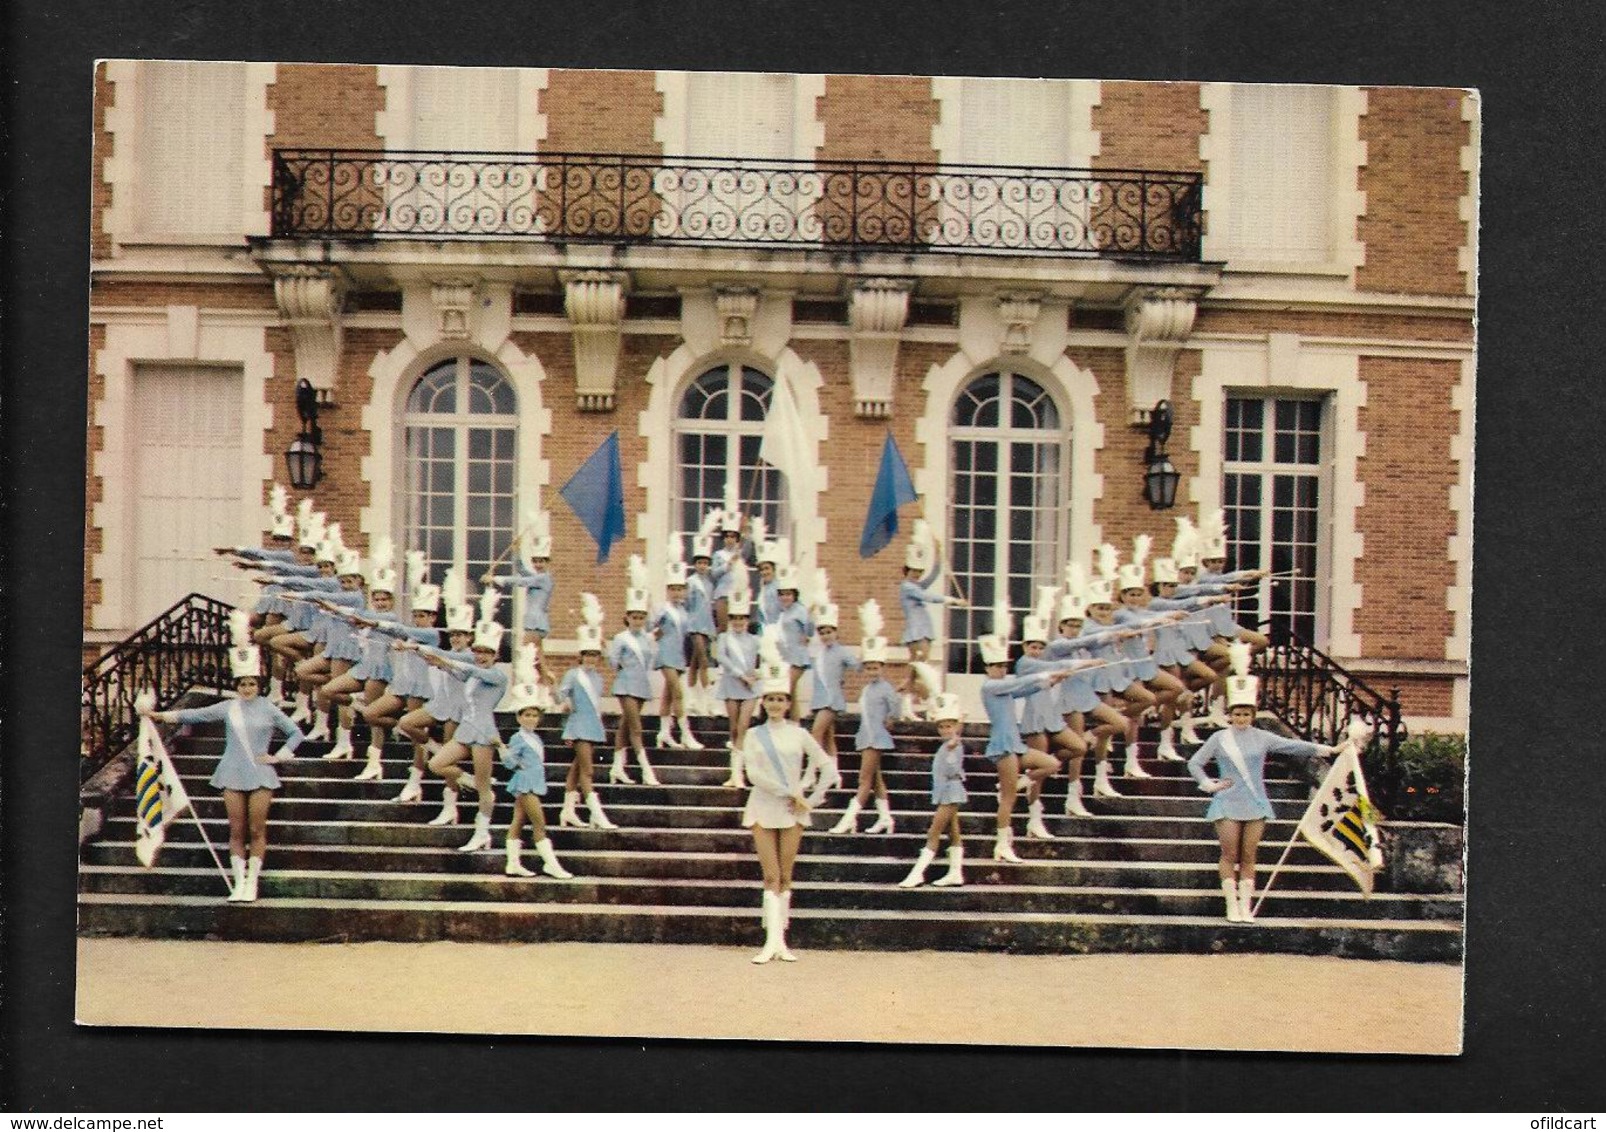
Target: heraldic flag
[
  {"x": 1341, "y": 821},
  {"x": 597, "y": 495},
  {"x": 159, "y": 795},
  {"x": 893, "y": 488}
]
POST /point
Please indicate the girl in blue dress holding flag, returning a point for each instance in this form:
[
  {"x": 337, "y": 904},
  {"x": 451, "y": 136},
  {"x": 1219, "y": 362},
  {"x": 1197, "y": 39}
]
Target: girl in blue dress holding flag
[{"x": 580, "y": 691}]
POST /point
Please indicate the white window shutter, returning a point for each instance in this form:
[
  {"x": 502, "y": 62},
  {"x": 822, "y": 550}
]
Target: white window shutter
[
  {"x": 1281, "y": 179},
  {"x": 189, "y": 149},
  {"x": 739, "y": 115},
  {"x": 465, "y": 108}
]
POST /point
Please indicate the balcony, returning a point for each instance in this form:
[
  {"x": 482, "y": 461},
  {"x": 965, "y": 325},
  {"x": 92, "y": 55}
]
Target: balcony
[{"x": 973, "y": 210}]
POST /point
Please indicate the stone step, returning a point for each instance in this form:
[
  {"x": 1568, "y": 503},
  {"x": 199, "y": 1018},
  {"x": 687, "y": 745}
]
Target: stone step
[
  {"x": 878, "y": 857},
  {"x": 301, "y": 920},
  {"x": 989, "y": 886},
  {"x": 1087, "y": 838}
]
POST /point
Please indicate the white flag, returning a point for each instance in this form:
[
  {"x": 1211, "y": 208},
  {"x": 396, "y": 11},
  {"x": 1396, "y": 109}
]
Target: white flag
[
  {"x": 785, "y": 446},
  {"x": 159, "y": 795},
  {"x": 1342, "y": 823}
]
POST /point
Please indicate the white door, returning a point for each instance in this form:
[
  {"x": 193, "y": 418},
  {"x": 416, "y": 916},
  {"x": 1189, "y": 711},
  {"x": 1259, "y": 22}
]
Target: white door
[{"x": 187, "y": 495}]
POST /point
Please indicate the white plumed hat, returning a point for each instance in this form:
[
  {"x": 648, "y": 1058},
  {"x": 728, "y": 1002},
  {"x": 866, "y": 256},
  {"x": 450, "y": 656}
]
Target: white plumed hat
[
  {"x": 1104, "y": 562},
  {"x": 1213, "y": 535},
  {"x": 947, "y": 707},
  {"x": 1164, "y": 570},
  {"x": 488, "y": 635},
  {"x": 773, "y": 673},
  {"x": 1039, "y": 626},
  {"x": 674, "y": 562},
  {"x": 349, "y": 564},
  {"x": 589, "y": 635},
  {"x": 636, "y": 600},
  {"x": 1073, "y": 606},
  {"x": 381, "y": 566},
  {"x": 995, "y": 645},
  {"x": 284, "y": 523},
  {"x": 873, "y": 646},
  {"x": 1132, "y": 575},
  {"x": 1185, "y": 547},
  {"x": 454, "y": 589},
  {"x": 702, "y": 543},
  {"x": 425, "y": 597},
  {"x": 245, "y": 659},
  {"x": 786, "y": 578},
  {"x": 922, "y": 548},
  {"x": 740, "y": 602},
  {"x": 1243, "y": 690},
  {"x": 539, "y": 534},
  {"x": 527, "y": 690},
  {"x": 1099, "y": 592}
]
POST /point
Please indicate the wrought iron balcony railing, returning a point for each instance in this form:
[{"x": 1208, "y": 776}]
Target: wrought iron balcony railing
[{"x": 620, "y": 198}]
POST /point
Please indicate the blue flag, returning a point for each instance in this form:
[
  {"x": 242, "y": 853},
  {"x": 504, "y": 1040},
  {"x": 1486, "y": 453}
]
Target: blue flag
[
  {"x": 597, "y": 494},
  {"x": 893, "y": 488}
]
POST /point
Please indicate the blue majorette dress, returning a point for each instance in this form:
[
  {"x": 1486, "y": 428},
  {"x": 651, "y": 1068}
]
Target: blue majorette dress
[
  {"x": 948, "y": 774},
  {"x": 632, "y": 656},
  {"x": 914, "y": 597},
  {"x": 525, "y": 756},
  {"x": 483, "y": 690},
  {"x": 997, "y": 700},
  {"x": 248, "y": 728},
  {"x": 830, "y": 666},
  {"x": 879, "y": 703},
  {"x": 537, "y": 585},
  {"x": 583, "y": 689},
  {"x": 672, "y": 622},
  {"x": 1246, "y": 799},
  {"x": 737, "y": 656}
]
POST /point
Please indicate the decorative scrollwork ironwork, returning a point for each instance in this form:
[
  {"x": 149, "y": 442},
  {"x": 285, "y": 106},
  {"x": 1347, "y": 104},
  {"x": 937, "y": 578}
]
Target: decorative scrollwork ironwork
[
  {"x": 973, "y": 209},
  {"x": 185, "y": 647},
  {"x": 1317, "y": 697}
]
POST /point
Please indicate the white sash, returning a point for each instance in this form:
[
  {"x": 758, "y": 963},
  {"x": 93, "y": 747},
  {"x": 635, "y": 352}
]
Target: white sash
[
  {"x": 1229, "y": 745},
  {"x": 676, "y": 616},
  {"x": 635, "y": 646},
  {"x": 762, "y": 734},
  {"x": 237, "y": 722},
  {"x": 584, "y": 685}
]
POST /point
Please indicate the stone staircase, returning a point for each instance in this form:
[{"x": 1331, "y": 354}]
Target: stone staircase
[{"x": 346, "y": 863}]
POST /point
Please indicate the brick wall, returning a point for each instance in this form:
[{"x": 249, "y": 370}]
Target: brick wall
[
  {"x": 601, "y": 111},
  {"x": 1406, "y": 520},
  {"x": 100, "y": 193},
  {"x": 1413, "y": 183},
  {"x": 1149, "y": 126},
  {"x": 877, "y": 119},
  {"x": 1314, "y": 324},
  {"x": 94, "y": 490},
  {"x": 240, "y": 293},
  {"x": 343, "y": 492},
  {"x": 318, "y": 105}
]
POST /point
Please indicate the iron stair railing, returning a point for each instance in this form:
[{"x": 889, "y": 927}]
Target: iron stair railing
[
  {"x": 186, "y": 647},
  {"x": 1318, "y": 697}
]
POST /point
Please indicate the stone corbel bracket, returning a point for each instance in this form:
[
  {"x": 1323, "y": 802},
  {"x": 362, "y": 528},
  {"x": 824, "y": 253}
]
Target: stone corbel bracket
[
  {"x": 1158, "y": 323},
  {"x": 1018, "y": 313},
  {"x": 877, "y": 311},
  {"x": 736, "y": 307},
  {"x": 454, "y": 306},
  {"x": 310, "y": 301},
  {"x": 595, "y": 304}
]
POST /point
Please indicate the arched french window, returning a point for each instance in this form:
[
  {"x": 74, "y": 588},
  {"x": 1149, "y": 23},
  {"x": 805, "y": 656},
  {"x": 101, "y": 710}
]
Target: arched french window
[
  {"x": 1007, "y": 492},
  {"x": 461, "y": 447},
  {"x": 719, "y": 427}
]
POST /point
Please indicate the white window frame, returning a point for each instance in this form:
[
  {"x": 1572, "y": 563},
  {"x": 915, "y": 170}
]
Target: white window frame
[
  {"x": 1004, "y": 437},
  {"x": 1267, "y": 468},
  {"x": 1346, "y": 203},
  {"x": 733, "y": 428},
  {"x": 129, "y": 80}
]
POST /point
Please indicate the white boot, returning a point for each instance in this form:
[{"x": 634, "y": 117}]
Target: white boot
[
  {"x": 303, "y": 712},
  {"x": 771, "y": 917},
  {"x": 414, "y": 790},
  {"x": 448, "y": 814},
  {"x": 482, "y": 835},
  {"x": 599, "y": 820},
  {"x": 1101, "y": 782},
  {"x": 883, "y": 821},
  {"x": 1218, "y": 715},
  {"x": 1035, "y": 826},
  {"x": 665, "y": 739},
  {"x": 1229, "y": 889},
  {"x": 906, "y": 707},
  {"x": 466, "y": 784},
  {"x": 320, "y": 727},
  {"x": 1246, "y": 899},
  {"x": 1004, "y": 848},
  {"x": 275, "y": 692},
  {"x": 253, "y": 870},
  {"x": 342, "y": 748},
  {"x": 955, "y": 876},
  {"x": 567, "y": 816},
  {"x": 648, "y": 778},
  {"x": 372, "y": 771},
  {"x": 850, "y": 818},
  {"x": 237, "y": 889},
  {"x": 917, "y": 875},
  {"x": 1073, "y": 802},
  {"x": 514, "y": 867},
  {"x": 1167, "y": 750},
  {"x": 691, "y": 743},
  {"x": 783, "y": 920},
  {"x": 735, "y": 779},
  {"x": 618, "y": 773},
  {"x": 1185, "y": 730},
  {"x": 549, "y": 860},
  {"x": 1134, "y": 769},
  {"x": 831, "y": 776}
]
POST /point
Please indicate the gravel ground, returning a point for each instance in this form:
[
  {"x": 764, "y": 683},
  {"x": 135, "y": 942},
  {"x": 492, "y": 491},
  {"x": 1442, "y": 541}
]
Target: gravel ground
[{"x": 638, "y": 990}]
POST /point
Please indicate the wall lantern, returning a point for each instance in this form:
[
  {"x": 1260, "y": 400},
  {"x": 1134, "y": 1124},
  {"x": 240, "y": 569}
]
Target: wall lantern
[
  {"x": 1160, "y": 476},
  {"x": 304, "y": 458}
]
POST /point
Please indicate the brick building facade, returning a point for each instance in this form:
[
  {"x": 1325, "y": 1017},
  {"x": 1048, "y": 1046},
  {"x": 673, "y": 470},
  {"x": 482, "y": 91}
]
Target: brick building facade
[{"x": 1324, "y": 315}]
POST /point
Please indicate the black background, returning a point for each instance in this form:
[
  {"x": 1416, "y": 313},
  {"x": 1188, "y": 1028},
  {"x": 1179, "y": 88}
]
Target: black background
[{"x": 1534, "y": 970}]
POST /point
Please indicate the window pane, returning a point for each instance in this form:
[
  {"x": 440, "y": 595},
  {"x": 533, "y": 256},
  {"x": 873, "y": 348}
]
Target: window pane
[
  {"x": 756, "y": 390},
  {"x": 436, "y": 391}
]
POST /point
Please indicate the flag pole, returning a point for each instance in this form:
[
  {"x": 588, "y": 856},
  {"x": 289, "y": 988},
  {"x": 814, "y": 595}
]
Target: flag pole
[
  {"x": 942, "y": 554},
  {"x": 1287, "y": 849},
  {"x": 216, "y": 860},
  {"x": 169, "y": 769},
  {"x": 546, "y": 505}
]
